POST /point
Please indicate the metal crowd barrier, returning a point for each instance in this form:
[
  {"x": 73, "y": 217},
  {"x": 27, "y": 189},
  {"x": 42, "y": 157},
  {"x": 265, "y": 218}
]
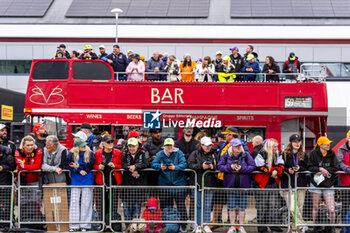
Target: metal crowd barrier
[
  {"x": 55, "y": 205},
  {"x": 253, "y": 201},
  {"x": 125, "y": 199},
  {"x": 334, "y": 203},
  {"x": 6, "y": 203},
  {"x": 260, "y": 77}
]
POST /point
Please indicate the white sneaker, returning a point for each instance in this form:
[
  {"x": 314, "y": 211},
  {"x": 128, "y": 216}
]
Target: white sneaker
[
  {"x": 193, "y": 227},
  {"x": 304, "y": 229},
  {"x": 232, "y": 230},
  {"x": 198, "y": 229},
  {"x": 207, "y": 229},
  {"x": 241, "y": 230}
]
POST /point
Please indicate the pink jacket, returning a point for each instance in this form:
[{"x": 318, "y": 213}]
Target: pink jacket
[{"x": 133, "y": 74}]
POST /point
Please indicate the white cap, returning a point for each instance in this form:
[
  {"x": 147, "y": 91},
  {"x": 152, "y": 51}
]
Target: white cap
[
  {"x": 81, "y": 135},
  {"x": 2, "y": 126},
  {"x": 206, "y": 141},
  {"x": 101, "y": 46}
]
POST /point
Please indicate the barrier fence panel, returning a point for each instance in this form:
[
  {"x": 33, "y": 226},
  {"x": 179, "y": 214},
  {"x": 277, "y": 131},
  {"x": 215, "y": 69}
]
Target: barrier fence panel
[
  {"x": 59, "y": 206},
  {"x": 6, "y": 202},
  {"x": 245, "y": 207},
  {"x": 321, "y": 207},
  {"x": 176, "y": 203}
]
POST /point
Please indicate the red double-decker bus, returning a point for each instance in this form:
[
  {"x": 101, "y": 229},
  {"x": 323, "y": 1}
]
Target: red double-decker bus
[{"x": 66, "y": 93}]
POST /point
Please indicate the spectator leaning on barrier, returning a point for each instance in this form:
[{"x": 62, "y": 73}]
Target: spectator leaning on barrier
[
  {"x": 4, "y": 140},
  {"x": 80, "y": 162},
  {"x": 118, "y": 60},
  {"x": 88, "y": 54},
  {"x": 206, "y": 70},
  {"x": 251, "y": 67},
  {"x": 66, "y": 54},
  {"x": 172, "y": 68},
  {"x": 171, "y": 161},
  {"x": 257, "y": 145},
  {"x": 74, "y": 54},
  {"x": 188, "y": 66},
  {"x": 40, "y": 135},
  {"x": 135, "y": 69},
  {"x": 226, "y": 71},
  {"x": 130, "y": 54},
  {"x": 295, "y": 161},
  {"x": 324, "y": 165},
  {"x": 156, "y": 65},
  {"x": 343, "y": 157},
  {"x": 238, "y": 61},
  {"x": 237, "y": 166},
  {"x": 54, "y": 161},
  {"x": 201, "y": 160},
  {"x": 271, "y": 165},
  {"x": 28, "y": 157},
  {"x": 59, "y": 55},
  {"x": 102, "y": 49},
  {"x": 7, "y": 163},
  {"x": 250, "y": 50},
  {"x": 271, "y": 69},
  {"x": 292, "y": 65},
  {"x": 87, "y": 129},
  {"x": 217, "y": 63},
  {"x": 133, "y": 160},
  {"x": 107, "y": 159}
]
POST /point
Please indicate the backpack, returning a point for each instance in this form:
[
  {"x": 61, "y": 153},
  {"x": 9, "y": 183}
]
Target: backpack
[{"x": 171, "y": 214}]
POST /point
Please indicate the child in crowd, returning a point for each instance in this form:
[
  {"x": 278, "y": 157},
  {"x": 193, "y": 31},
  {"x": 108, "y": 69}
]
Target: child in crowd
[{"x": 153, "y": 213}]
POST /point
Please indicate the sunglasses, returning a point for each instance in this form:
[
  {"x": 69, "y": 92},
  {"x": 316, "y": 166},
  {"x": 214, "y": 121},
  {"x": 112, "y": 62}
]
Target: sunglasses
[{"x": 109, "y": 142}]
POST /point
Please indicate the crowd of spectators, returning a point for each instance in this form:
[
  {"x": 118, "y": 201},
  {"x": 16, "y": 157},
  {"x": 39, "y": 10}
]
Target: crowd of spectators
[
  {"x": 230, "y": 156},
  {"x": 230, "y": 68}
]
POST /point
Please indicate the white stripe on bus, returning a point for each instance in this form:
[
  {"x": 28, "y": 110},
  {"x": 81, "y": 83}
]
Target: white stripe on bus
[{"x": 207, "y": 112}]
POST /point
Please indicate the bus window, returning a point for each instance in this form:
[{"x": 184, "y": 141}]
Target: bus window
[
  {"x": 54, "y": 125},
  {"x": 50, "y": 70},
  {"x": 96, "y": 129},
  {"x": 91, "y": 71}
]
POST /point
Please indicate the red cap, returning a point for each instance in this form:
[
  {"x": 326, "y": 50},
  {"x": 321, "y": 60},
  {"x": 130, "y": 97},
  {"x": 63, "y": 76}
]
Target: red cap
[
  {"x": 133, "y": 134},
  {"x": 37, "y": 126}
]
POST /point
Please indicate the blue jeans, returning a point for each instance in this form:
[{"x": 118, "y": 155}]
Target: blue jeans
[
  {"x": 131, "y": 210},
  {"x": 207, "y": 206}
]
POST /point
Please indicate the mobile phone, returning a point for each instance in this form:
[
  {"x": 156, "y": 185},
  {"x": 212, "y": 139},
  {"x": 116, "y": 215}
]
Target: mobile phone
[
  {"x": 207, "y": 162},
  {"x": 71, "y": 163}
]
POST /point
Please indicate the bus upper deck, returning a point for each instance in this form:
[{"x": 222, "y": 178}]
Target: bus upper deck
[{"x": 67, "y": 93}]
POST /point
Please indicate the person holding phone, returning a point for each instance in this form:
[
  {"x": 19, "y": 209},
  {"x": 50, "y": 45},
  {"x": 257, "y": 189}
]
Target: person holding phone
[
  {"x": 295, "y": 161},
  {"x": 170, "y": 162},
  {"x": 323, "y": 164},
  {"x": 201, "y": 160},
  {"x": 237, "y": 166}
]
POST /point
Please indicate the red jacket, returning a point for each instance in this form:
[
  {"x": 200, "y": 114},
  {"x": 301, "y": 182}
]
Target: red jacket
[
  {"x": 263, "y": 178},
  {"x": 148, "y": 215},
  {"x": 31, "y": 162},
  {"x": 117, "y": 161}
]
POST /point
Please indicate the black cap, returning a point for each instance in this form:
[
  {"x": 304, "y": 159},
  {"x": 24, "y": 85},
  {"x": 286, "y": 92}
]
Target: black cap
[
  {"x": 107, "y": 138},
  {"x": 291, "y": 54},
  {"x": 62, "y": 46},
  {"x": 136, "y": 56},
  {"x": 294, "y": 138},
  {"x": 116, "y": 46},
  {"x": 97, "y": 140},
  {"x": 85, "y": 126}
]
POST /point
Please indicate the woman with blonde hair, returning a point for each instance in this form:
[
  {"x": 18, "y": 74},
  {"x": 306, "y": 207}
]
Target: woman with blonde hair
[
  {"x": 80, "y": 161},
  {"x": 271, "y": 165},
  {"x": 226, "y": 71}
]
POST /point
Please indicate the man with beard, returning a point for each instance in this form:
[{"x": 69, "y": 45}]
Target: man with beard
[
  {"x": 5, "y": 141},
  {"x": 40, "y": 135}
]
